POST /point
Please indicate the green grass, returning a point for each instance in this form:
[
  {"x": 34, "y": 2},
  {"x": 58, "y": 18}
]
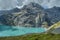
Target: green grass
[{"x": 34, "y": 37}]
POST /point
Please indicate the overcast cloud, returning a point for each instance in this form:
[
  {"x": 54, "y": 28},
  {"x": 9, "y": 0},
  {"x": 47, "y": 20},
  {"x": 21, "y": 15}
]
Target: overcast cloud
[{"x": 9, "y": 4}]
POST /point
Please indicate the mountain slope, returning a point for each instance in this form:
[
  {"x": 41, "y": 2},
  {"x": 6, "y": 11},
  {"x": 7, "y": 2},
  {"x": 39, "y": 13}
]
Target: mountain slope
[
  {"x": 31, "y": 15},
  {"x": 54, "y": 14}
]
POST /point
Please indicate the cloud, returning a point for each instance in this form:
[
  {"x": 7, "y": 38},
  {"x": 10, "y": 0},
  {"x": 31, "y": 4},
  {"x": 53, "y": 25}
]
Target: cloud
[
  {"x": 9, "y": 4},
  {"x": 51, "y": 3}
]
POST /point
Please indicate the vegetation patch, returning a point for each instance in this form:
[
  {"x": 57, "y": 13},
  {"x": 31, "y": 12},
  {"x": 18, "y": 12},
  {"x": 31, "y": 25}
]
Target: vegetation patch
[{"x": 34, "y": 37}]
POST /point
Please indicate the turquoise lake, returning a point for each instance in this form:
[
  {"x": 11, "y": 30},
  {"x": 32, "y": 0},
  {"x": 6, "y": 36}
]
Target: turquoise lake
[{"x": 17, "y": 31}]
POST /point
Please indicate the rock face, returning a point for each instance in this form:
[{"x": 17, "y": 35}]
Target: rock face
[
  {"x": 54, "y": 14},
  {"x": 31, "y": 15}
]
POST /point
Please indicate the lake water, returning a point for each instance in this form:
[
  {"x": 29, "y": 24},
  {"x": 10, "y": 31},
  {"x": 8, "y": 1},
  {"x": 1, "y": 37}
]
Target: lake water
[{"x": 16, "y": 31}]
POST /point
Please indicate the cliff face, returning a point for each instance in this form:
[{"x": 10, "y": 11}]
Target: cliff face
[
  {"x": 31, "y": 15},
  {"x": 54, "y": 14}
]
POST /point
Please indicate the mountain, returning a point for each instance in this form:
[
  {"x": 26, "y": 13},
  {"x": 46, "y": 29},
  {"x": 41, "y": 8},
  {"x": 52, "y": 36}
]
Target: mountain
[
  {"x": 9, "y": 11},
  {"x": 54, "y": 14},
  {"x": 31, "y": 15}
]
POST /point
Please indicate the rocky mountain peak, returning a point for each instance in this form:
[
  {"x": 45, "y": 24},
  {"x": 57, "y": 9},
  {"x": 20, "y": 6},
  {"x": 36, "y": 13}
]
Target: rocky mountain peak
[{"x": 31, "y": 15}]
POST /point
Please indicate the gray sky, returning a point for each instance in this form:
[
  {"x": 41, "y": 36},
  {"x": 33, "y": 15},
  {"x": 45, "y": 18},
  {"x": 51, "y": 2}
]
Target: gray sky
[{"x": 9, "y": 4}]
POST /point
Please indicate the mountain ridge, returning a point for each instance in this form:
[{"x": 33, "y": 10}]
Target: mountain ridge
[{"x": 31, "y": 15}]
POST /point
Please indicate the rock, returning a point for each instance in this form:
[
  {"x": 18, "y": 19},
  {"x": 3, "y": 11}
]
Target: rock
[{"x": 31, "y": 15}]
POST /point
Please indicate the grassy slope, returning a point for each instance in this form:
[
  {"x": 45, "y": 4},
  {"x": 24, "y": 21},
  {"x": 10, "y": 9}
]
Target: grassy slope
[{"x": 34, "y": 37}]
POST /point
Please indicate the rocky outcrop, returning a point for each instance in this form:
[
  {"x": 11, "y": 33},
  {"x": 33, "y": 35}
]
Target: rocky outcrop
[
  {"x": 54, "y": 14},
  {"x": 31, "y": 15}
]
